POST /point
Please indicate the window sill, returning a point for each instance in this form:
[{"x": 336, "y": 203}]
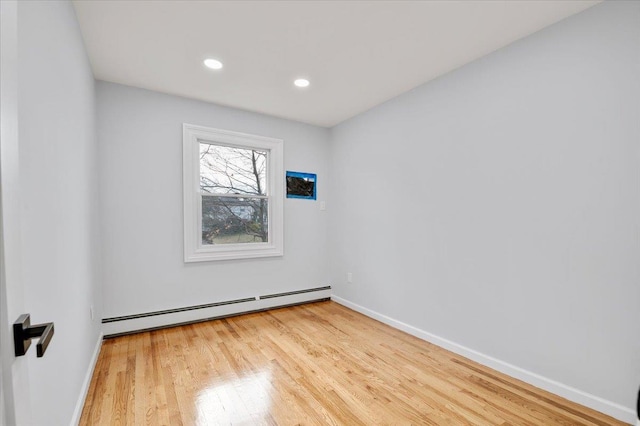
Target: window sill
[{"x": 232, "y": 252}]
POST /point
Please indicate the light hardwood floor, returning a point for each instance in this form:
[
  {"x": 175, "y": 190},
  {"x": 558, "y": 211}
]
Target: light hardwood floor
[{"x": 319, "y": 363}]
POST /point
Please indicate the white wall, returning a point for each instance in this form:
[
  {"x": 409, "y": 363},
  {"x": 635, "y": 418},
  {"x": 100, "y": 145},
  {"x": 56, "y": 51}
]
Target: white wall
[
  {"x": 499, "y": 206},
  {"x": 140, "y": 139},
  {"x": 58, "y": 162}
]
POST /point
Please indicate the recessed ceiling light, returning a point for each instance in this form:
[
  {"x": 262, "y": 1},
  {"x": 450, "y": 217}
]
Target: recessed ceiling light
[
  {"x": 301, "y": 82},
  {"x": 214, "y": 64}
]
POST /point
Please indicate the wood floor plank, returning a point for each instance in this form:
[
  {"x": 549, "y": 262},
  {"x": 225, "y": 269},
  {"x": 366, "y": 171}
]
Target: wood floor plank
[{"x": 313, "y": 364}]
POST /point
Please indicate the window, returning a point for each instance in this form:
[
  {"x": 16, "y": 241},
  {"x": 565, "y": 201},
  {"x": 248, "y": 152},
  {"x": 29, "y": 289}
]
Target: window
[{"x": 233, "y": 195}]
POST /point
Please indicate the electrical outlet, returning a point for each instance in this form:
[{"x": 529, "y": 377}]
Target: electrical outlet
[
  {"x": 349, "y": 277},
  {"x": 323, "y": 205}
]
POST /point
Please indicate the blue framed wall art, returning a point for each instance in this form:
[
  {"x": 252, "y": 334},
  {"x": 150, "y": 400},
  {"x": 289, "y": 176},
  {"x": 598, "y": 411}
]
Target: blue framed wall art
[{"x": 301, "y": 185}]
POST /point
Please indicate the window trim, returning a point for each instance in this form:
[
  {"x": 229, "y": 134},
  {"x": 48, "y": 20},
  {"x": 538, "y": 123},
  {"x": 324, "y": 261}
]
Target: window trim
[{"x": 194, "y": 251}]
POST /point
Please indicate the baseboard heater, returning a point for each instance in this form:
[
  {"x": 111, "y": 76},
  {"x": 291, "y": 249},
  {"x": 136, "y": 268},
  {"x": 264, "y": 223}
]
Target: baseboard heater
[{"x": 128, "y": 324}]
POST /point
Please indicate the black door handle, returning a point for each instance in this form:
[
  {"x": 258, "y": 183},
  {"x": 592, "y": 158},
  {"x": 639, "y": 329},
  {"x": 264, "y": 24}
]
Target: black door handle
[{"x": 23, "y": 332}]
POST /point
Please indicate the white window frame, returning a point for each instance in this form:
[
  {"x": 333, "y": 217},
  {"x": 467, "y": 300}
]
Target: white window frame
[{"x": 194, "y": 250}]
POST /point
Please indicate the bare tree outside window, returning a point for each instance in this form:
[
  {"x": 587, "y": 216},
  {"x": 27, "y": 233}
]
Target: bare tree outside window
[{"x": 233, "y": 186}]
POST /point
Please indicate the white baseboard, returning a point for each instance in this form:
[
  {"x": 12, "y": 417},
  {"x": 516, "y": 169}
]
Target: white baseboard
[
  {"x": 612, "y": 409},
  {"x": 87, "y": 382},
  {"x": 129, "y": 325}
]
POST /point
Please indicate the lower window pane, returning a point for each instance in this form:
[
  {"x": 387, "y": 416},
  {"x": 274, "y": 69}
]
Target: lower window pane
[{"x": 231, "y": 220}]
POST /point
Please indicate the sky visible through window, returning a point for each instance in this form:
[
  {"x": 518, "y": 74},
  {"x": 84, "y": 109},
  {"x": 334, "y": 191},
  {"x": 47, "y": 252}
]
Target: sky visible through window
[{"x": 230, "y": 170}]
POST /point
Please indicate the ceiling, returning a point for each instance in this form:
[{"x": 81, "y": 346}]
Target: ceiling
[{"x": 357, "y": 54}]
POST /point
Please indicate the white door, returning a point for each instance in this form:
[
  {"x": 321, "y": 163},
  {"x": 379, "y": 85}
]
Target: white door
[{"x": 14, "y": 386}]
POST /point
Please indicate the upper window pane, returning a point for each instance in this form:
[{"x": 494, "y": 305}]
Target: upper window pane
[{"x": 230, "y": 170}]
